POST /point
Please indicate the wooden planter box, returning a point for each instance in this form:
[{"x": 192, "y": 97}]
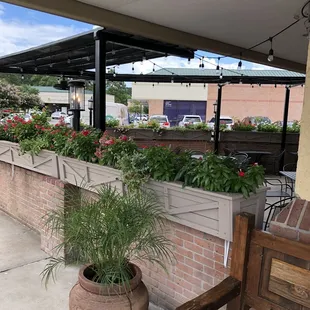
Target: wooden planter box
[
  {"x": 87, "y": 175},
  {"x": 45, "y": 162},
  {"x": 149, "y": 134},
  {"x": 209, "y": 212}
]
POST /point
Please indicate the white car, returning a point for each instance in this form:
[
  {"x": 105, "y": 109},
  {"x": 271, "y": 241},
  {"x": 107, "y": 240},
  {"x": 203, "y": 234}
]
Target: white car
[
  {"x": 161, "y": 119},
  {"x": 190, "y": 120},
  {"x": 59, "y": 115},
  {"x": 227, "y": 120}
]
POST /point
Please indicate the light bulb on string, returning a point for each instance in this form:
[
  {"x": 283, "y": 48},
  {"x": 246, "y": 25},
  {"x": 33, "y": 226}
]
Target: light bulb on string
[
  {"x": 240, "y": 63},
  {"x": 36, "y": 69},
  {"x": 144, "y": 57},
  {"x": 88, "y": 58},
  {"x": 275, "y": 85},
  {"x": 21, "y": 70},
  {"x": 153, "y": 67},
  {"x": 133, "y": 67},
  {"x": 172, "y": 79},
  {"x": 204, "y": 85},
  {"x": 202, "y": 62},
  {"x": 153, "y": 84},
  {"x": 221, "y": 75},
  {"x": 51, "y": 65},
  {"x": 189, "y": 61},
  {"x": 113, "y": 50},
  {"x": 22, "y": 76},
  {"x": 69, "y": 61},
  {"x": 218, "y": 65},
  {"x": 240, "y": 81},
  {"x": 189, "y": 84},
  {"x": 81, "y": 72},
  {"x": 271, "y": 53}
]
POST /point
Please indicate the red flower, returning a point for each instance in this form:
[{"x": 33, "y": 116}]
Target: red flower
[
  {"x": 96, "y": 142},
  {"x": 37, "y": 126},
  {"x": 241, "y": 174},
  {"x": 9, "y": 121},
  {"x": 73, "y": 135},
  {"x": 16, "y": 118},
  {"x": 14, "y": 125},
  {"x": 85, "y": 132},
  {"x": 255, "y": 164},
  {"x": 123, "y": 138},
  {"x": 144, "y": 146}
]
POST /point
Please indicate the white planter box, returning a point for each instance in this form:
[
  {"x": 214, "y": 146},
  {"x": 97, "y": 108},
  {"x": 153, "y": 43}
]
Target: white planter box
[
  {"x": 45, "y": 162},
  {"x": 209, "y": 212},
  {"x": 87, "y": 175}
]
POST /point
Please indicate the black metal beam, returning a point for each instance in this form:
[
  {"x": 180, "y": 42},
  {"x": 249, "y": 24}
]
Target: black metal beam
[
  {"x": 100, "y": 106},
  {"x": 147, "y": 45},
  {"x": 284, "y": 128},
  {"x": 217, "y": 119}
]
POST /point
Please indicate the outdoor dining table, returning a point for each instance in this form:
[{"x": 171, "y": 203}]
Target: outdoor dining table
[
  {"x": 255, "y": 155},
  {"x": 289, "y": 174}
]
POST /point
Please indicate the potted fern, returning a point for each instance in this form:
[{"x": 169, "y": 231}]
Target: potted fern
[{"x": 106, "y": 234}]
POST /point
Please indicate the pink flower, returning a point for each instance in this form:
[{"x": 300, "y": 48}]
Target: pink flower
[
  {"x": 255, "y": 164},
  {"x": 123, "y": 138},
  {"x": 37, "y": 126},
  {"x": 9, "y": 121},
  {"x": 96, "y": 142},
  {"x": 109, "y": 142},
  {"x": 73, "y": 135},
  {"x": 241, "y": 174}
]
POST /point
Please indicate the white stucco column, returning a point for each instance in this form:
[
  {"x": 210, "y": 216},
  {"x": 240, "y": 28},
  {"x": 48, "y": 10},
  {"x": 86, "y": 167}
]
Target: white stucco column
[{"x": 303, "y": 166}]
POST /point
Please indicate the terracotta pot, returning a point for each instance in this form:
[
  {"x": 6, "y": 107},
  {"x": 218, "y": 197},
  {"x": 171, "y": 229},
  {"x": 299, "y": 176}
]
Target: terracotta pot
[{"x": 89, "y": 295}]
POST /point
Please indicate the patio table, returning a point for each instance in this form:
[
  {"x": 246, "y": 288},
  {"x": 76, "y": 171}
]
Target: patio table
[
  {"x": 289, "y": 174},
  {"x": 255, "y": 155}
]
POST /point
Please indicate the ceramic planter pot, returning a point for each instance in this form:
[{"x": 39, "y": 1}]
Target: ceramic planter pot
[{"x": 89, "y": 295}]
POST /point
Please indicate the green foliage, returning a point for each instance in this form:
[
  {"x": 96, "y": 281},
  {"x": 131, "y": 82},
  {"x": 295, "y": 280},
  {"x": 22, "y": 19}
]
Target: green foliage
[
  {"x": 295, "y": 128},
  {"x": 34, "y": 146},
  {"x": 161, "y": 163},
  {"x": 221, "y": 174},
  {"x": 238, "y": 126},
  {"x": 110, "y": 150},
  {"x": 137, "y": 107},
  {"x": 268, "y": 128},
  {"x": 109, "y": 231},
  {"x": 112, "y": 123},
  {"x": 199, "y": 126},
  {"x": 119, "y": 89},
  {"x": 32, "y": 80},
  {"x": 9, "y": 96},
  {"x": 223, "y": 127}
]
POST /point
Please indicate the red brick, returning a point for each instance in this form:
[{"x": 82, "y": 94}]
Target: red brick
[
  {"x": 183, "y": 283},
  {"x": 282, "y": 216},
  {"x": 206, "y": 244},
  {"x": 204, "y": 260},
  {"x": 218, "y": 258},
  {"x": 194, "y": 232},
  {"x": 177, "y": 288},
  {"x": 219, "y": 249},
  {"x": 284, "y": 232},
  {"x": 185, "y": 252},
  {"x": 207, "y": 287},
  {"x": 193, "y": 247},
  {"x": 209, "y": 254},
  {"x": 193, "y": 264},
  {"x": 192, "y": 280},
  {"x": 296, "y": 209},
  {"x": 184, "y": 236},
  {"x": 185, "y": 268},
  {"x": 190, "y": 295},
  {"x": 177, "y": 241},
  {"x": 221, "y": 268},
  {"x": 305, "y": 223},
  {"x": 203, "y": 277}
]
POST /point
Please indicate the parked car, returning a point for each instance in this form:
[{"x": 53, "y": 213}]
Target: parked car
[
  {"x": 161, "y": 119},
  {"x": 280, "y": 123},
  {"x": 185, "y": 120},
  {"x": 59, "y": 115},
  {"x": 227, "y": 120},
  {"x": 256, "y": 120}
]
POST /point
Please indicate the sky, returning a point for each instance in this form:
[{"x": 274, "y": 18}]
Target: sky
[{"x": 22, "y": 28}]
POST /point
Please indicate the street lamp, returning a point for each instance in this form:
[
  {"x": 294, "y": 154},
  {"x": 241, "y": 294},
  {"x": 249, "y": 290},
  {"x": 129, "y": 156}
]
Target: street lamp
[
  {"x": 77, "y": 101},
  {"x": 90, "y": 108}
]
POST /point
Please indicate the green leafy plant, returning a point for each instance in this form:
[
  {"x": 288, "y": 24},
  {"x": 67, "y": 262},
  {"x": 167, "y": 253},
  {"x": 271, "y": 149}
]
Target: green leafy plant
[
  {"x": 108, "y": 231},
  {"x": 221, "y": 174},
  {"x": 238, "y": 126},
  {"x": 198, "y": 126},
  {"x": 112, "y": 123},
  {"x": 110, "y": 150},
  {"x": 268, "y": 128},
  {"x": 224, "y": 127},
  {"x": 295, "y": 128}
]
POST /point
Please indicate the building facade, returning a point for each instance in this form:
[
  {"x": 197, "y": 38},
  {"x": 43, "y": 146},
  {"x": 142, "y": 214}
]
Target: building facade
[{"x": 238, "y": 100}]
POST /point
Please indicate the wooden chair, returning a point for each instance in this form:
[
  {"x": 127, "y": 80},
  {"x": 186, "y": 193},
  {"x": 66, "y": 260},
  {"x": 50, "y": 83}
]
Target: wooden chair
[{"x": 267, "y": 272}]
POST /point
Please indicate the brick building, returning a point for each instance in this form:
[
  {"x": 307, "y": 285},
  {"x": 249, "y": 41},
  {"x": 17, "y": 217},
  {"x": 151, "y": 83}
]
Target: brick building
[{"x": 238, "y": 100}]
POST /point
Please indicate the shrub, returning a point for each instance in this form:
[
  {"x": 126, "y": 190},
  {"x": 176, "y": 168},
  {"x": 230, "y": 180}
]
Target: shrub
[
  {"x": 112, "y": 123},
  {"x": 295, "y": 128},
  {"x": 238, "y": 126},
  {"x": 268, "y": 128}
]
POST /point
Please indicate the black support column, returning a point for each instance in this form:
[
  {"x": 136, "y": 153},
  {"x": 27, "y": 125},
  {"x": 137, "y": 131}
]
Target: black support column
[
  {"x": 100, "y": 82},
  {"x": 217, "y": 119},
  {"x": 284, "y": 128}
]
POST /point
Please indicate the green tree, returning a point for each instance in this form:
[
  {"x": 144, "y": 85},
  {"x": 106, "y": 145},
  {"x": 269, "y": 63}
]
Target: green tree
[
  {"x": 119, "y": 89},
  {"x": 137, "y": 107},
  {"x": 9, "y": 96}
]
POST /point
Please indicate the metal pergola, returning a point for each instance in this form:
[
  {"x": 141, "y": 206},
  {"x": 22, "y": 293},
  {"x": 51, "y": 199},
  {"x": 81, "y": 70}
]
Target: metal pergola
[{"x": 78, "y": 56}]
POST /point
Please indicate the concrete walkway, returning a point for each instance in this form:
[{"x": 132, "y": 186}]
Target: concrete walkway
[{"x": 21, "y": 262}]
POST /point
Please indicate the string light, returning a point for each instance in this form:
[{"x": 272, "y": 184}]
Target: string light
[
  {"x": 189, "y": 84},
  {"x": 172, "y": 79},
  {"x": 218, "y": 65},
  {"x": 189, "y": 61},
  {"x": 204, "y": 85},
  {"x": 133, "y": 67},
  {"x": 221, "y": 75},
  {"x": 271, "y": 54},
  {"x": 153, "y": 67},
  {"x": 88, "y": 58},
  {"x": 69, "y": 61},
  {"x": 22, "y": 76},
  {"x": 21, "y": 70},
  {"x": 202, "y": 62},
  {"x": 144, "y": 57},
  {"x": 51, "y": 65},
  {"x": 240, "y": 82},
  {"x": 153, "y": 84},
  {"x": 35, "y": 69},
  {"x": 240, "y": 63},
  {"x": 259, "y": 84},
  {"x": 81, "y": 72},
  {"x": 275, "y": 85}
]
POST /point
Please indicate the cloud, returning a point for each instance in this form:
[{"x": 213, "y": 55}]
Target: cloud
[
  {"x": 263, "y": 67},
  {"x": 17, "y": 35}
]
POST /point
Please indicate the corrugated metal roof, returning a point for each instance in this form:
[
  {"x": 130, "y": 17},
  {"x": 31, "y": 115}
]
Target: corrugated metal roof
[
  {"x": 51, "y": 89},
  {"x": 227, "y": 72}
]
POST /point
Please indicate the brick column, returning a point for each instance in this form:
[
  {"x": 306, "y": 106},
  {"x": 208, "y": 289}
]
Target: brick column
[{"x": 293, "y": 222}]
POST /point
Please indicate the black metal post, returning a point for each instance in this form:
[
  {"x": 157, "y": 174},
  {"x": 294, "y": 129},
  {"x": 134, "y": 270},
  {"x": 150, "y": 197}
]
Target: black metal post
[
  {"x": 217, "y": 119},
  {"x": 100, "y": 94},
  {"x": 76, "y": 120},
  {"x": 91, "y": 117},
  {"x": 94, "y": 103},
  {"x": 284, "y": 128}
]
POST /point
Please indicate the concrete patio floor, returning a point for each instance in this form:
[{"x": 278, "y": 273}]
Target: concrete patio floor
[{"x": 21, "y": 262}]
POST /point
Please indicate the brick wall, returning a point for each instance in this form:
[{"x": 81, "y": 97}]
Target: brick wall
[
  {"x": 28, "y": 196},
  {"x": 197, "y": 267},
  {"x": 293, "y": 222}
]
